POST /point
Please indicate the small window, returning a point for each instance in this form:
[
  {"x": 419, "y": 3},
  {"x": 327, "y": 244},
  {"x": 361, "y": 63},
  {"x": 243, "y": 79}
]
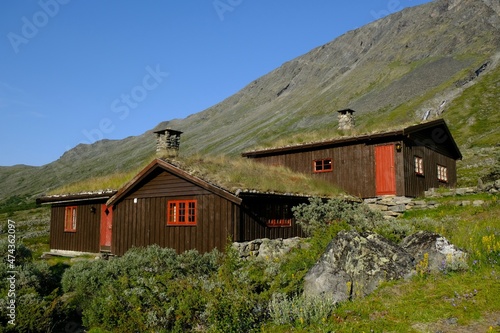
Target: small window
[
  {"x": 70, "y": 219},
  {"x": 324, "y": 165},
  {"x": 279, "y": 222},
  {"x": 442, "y": 173},
  {"x": 181, "y": 212},
  {"x": 278, "y": 215},
  {"x": 419, "y": 165}
]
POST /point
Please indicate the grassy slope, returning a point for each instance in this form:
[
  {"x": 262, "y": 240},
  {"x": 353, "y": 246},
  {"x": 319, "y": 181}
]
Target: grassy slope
[{"x": 453, "y": 302}]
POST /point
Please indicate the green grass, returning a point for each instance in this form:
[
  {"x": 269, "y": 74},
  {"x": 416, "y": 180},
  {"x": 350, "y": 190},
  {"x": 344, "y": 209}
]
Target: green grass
[
  {"x": 426, "y": 304},
  {"x": 227, "y": 172},
  {"x": 245, "y": 174}
]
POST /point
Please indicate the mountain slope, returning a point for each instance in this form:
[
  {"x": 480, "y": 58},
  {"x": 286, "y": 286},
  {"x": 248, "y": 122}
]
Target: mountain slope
[{"x": 390, "y": 71}]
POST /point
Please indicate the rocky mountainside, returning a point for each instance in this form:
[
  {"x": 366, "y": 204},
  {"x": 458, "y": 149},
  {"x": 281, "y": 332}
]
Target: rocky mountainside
[{"x": 401, "y": 68}]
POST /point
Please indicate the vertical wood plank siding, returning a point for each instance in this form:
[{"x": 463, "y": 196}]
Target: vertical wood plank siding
[
  {"x": 144, "y": 223},
  {"x": 353, "y": 168},
  {"x": 415, "y": 185},
  {"x": 253, "y": 219},
  {"x": 87, "y": 235}
]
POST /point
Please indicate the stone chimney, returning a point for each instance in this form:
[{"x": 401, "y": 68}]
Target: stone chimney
[
  {"x": 168, "y": 142},
  {"x": 346, "y": 119}
]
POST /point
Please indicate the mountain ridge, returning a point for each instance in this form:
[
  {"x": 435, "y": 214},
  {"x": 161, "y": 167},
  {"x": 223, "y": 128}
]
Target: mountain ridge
[{"x": 393, "y": 69}]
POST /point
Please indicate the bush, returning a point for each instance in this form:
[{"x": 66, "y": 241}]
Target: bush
[
  {"x": 301, "y": 310},
  {"x": 148, "y": 289},
  {"x": 319, "y": 214}
]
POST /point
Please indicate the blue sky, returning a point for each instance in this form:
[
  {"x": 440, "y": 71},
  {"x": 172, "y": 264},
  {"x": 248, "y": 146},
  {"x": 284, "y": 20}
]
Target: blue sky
[{"x": 78, "y": 71}]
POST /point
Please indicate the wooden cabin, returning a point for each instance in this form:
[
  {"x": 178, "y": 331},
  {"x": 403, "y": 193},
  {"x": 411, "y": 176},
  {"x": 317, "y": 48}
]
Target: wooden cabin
[
  {"x": 166, "y": 205},
  {"x": 80, "y": 222},
  {"x": 171, "y": 207},
  {"x": 403, "y": 162}
]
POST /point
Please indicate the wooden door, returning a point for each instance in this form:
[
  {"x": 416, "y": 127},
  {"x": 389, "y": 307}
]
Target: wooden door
[
  {"x": 385, "y": 172},
  {"x": 106, "y": 227}
]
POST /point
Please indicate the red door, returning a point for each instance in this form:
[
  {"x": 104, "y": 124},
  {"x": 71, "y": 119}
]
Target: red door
[
  {"x": 385, "y": 173},
  {"x": 106, "y": 225}
]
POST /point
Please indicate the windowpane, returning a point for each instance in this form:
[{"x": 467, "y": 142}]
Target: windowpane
[
  {"x": 419, "y": 165},
  {"x": 442, "y": 173},
  {"x": 181, "y": 212},
  {"x": 70, "y": 218},
  {"x": 324, "y": 165}
]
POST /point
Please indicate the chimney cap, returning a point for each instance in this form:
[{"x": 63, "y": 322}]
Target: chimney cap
[
  {"x": 345, "y": 111},
  {"x": 168, "y": 130}
]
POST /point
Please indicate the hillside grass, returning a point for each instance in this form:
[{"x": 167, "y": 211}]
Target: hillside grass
[
  {"x": 459, "y": 301},
  {"x": 452, "y": 301}
]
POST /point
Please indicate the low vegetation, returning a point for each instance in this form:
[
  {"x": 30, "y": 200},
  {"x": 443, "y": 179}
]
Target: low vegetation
[
  {"x": 230, "y": 173},
  {"x": 154, "y": 289}
]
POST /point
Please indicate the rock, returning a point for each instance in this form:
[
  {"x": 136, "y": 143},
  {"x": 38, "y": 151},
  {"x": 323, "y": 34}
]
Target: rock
[
  {"x": 370, "y": 200},
  {"x": 466, "y": 203},
  {"x": 497, "y": 184},
  {"x": 480, "y": 185},
  {"x": 390, "y": 213},
  {"x": 402, "y": 200},
  {"x": 420, "y": 203},
  {"x": 355, "y": 264},
  {"x": 377, "y": 207},
  {"x": 267, "y": 248},
  {"x": 442, "y": 255},
  {"x": 478, "y": 203},
  {"x": 461, "y": 191},
  {"x": 398, "y": 208}
]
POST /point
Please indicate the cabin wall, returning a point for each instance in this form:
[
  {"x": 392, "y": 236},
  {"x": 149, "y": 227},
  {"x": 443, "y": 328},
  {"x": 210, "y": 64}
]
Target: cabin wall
[
  {"x": 140, "y": 219},
  {"x": 353, "y": 166},
  {"x": 415, "y": 185},
  {"x": 144, "y": 223},
  {"x": 87, "y": 234},
  {"x": 254, "y": 216}
]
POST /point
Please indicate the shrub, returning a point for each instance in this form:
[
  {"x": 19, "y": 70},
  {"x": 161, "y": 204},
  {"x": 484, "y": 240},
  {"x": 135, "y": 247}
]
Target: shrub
[
  {"x": 301, "y": 310},
  {"x": 148, "y": 289},
  {"x": 319, "y": 214}
]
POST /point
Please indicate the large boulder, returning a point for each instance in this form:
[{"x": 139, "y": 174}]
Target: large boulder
[
  {"x": 434, "y": 252},
  {"x": 355, "y": 264}
]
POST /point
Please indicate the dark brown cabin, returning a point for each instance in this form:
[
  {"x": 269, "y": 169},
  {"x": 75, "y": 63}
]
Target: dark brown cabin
[
  {"x": 167, "y": 206},
  {"x": 404, "y": 162},
  {"x": 80, "y": 222}
]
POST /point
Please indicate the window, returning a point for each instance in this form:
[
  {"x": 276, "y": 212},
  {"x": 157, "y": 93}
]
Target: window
[
  {"x": 324, "y": 165},
  {"x": 419, "y": 165},
  {"x": 70, "y": 219},
  {"x": 442, "y": 173},
  {"x": 278, "y": 215},
  {"x": 181, "y": 212}
]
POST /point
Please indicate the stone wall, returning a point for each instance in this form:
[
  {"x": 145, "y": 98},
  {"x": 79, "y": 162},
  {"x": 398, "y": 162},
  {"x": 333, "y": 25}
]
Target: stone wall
[{"x": 394, "y": 206}]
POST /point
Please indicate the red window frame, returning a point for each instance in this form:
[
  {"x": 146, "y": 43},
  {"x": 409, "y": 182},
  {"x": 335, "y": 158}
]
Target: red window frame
[
  {"x": 278, "y": 215},
  {"x": 70, "y": 215},
  {"x": 279, "y": 223},
  {"x": 442, "y": 173},
  {"x": 419, "y": 165},
  {"x": 323, "y": 165},
  {"x": 181, "y": 212}
]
